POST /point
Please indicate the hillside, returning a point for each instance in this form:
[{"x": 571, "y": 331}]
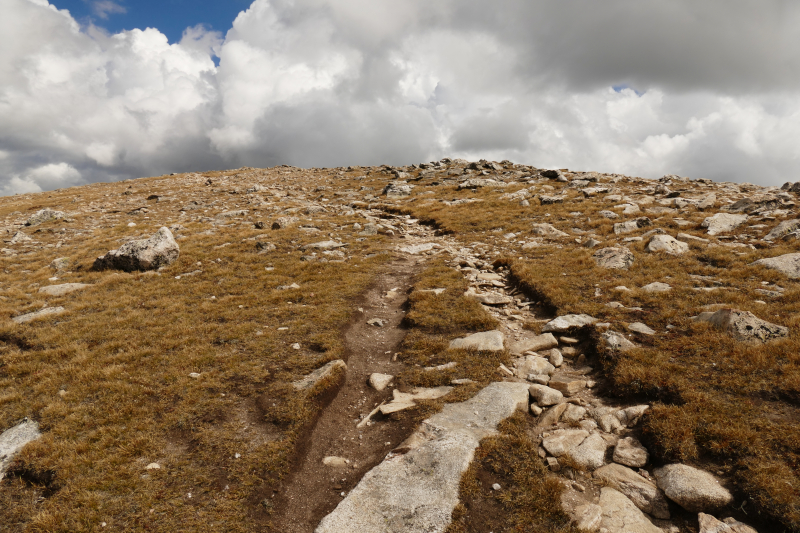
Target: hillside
[{"x": 277, "y": 350}]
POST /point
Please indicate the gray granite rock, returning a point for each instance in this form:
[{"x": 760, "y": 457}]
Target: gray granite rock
[
  {"x": 693, "y": 489},
  {"x": 642, "y": 492},
  {"x": 146, "y": 254},
  {"x": 486, "y": 341}
]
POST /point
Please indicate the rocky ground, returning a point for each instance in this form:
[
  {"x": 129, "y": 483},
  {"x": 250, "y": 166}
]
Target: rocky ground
[{"x": 647, "y": 329}]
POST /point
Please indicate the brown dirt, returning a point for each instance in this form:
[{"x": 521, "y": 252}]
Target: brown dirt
[{"x": 314, "y": 489}]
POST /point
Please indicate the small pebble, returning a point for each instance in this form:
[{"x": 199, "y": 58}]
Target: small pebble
[{"x": 496, "y": 486}]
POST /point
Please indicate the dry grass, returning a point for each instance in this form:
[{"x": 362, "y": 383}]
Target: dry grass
[
  {"x": 529, "y": 499},
  {"x": 109, "y": 379},
  {"x": 726, "y": 406}
]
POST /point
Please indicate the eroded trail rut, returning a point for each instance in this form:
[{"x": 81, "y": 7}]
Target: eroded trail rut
[{"x": 315, "y": 489}]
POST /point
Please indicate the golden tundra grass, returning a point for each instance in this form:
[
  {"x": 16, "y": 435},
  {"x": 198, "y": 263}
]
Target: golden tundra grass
[
  {"x": 730, "y": 407},
  {"x": 109, "y": 379}
]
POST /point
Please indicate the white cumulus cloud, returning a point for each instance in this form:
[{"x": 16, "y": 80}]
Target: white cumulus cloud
[{"x": 705, "y": 89}]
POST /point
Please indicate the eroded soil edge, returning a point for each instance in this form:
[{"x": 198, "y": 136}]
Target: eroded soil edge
[{"x": 314, "y": 488}]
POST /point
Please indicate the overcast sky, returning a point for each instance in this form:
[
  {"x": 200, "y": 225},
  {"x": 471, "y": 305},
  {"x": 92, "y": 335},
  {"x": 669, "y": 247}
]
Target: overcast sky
[{"x": 92, "y": 90}]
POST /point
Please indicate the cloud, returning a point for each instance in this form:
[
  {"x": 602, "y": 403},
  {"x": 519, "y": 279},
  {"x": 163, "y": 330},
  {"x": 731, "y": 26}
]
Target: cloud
[
  {"x": 705, "y": 89},
  {"x": 104, "y": 8}
]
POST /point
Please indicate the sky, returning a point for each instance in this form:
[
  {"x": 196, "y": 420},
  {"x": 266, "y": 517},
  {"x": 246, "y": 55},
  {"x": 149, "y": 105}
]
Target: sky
[{"x": 104, "y": 90}]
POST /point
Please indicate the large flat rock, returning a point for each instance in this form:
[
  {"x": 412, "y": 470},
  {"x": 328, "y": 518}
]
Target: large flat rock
[
  {"x": 62, "y": 289},
  {"x": 485, "y": 341},
  {"x": 14, "y": 439},
  {"x": 788, "y": 264},
  {"x": 417, "y": 491}
]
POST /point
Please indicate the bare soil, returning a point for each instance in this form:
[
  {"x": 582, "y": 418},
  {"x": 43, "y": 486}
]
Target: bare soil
[{"x": 314, "y": 489}]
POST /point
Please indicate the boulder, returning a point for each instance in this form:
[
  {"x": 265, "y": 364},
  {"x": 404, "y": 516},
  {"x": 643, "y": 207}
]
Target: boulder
[
  {"x": 630, "y": 452},
  {"x": 616, "y": 342},
  {"x": 405, "y": 400},
  {"x": 284, "y": 222},
  {"x": 591, "y": 453},
  {"x": 380, "y": 381},
  {"x": 533, "y": 344},
  {"x": 397, "y": 189},
  {"x": 532, "y": 364},
  {"x": 563, "y": 440},
  {"x": 642, "y": 492},
  {"x": 548, "y": 231},
  {"x": 620, "y": 515},
  {"x": 28, "y": 317},
  {"x": 632, "y": 225},
  {"x": 573, "y": 413},
  {"x": 723, "y": 223},
  {"x": 486, "y": 341},
  {"x": 656, "y": 286},
  {"x": 565, "y": 322},
  {"x": 787, "y": 264},
  {"x": 60, "y": 263},
  {"x": 709, "y": 524},
  {"x": 44, "y": 215},
  {"x": 744, "y": 325},
  {"x": 693, "y": 489},
  {"x": 551, "y": 416},
  {"x": 707, "y": 201},
  {"x": 666, "y": 244},
  {"x": 310, "y": 381},
  {"x": 545, "y": 396},
  {"x": 613, "y": 257},
  {"x": 14, "y": 439},
  {"x": 784, "y": 228},
  {"x": 146, "y": 254},
  {"x": 62, "y": 289},
  {"x": 567, "y": 386}
]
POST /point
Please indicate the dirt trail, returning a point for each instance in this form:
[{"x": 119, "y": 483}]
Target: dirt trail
[{"x": 315, "y": 489}]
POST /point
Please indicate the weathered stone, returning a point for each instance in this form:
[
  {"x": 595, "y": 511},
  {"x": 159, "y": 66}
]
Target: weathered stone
[
  {"x": 744, "y": 325},
  {"x": 419, "y": 248},
  {"x": 630, "y": 452},
  {"x": 723, "y": 223},
  {"x": 324, "y": 245},
  {"x": 534, "y": 344},
  {"x": 587, "y": 517},
  {"x": 782, "y": 229},
  {"x": 707, "y": 201},
  {"x": 638, "y": 327},
  {"x": 691, "y": 238},
  {"x": 709, "y": 524},
  {"x": 310, "y": 381},
  {"x": 630, "y": 416},
  {"x": 567, "y": 386},
  {"x": 548, "y": 231},
  {"x": 418, "y": 490},
  {"x": 573, "y": 413},
  {"x": 642, "y": 492},
  {"x": 632, "y": 225},
  {"x": 64, "y": 288},
  {"x": 335, "y": 462},
  {"x": 380, "y": 381},
  {"x": 397, "y": 189},
  {"x": 531, "y": 364},
  {"x": 406, "y": 400},
  {"x": 591, "y": 453},
  {"x": 620, "y": 515},
  {"x": 666, "y": 244},
  {"x": 551, "y": 416},
  {"x": 44, "y": 215},
  {"x": 488, "y": 298},
  {"x": 565, "y": 322},
  {"x": 14, "y": 439},
  {"x": 614, "y": 257},
  {"x": 60, "y": 264},
  {"x": 691, "y": 488},
  {"x": 545, "y": 396},
  {"x": 616, "y": 342},
  {"x": 549, "y": 200},
  {"x": 563, "y": 440},
  {"x": 233, "y": 214},
  {"x": 284, "y": 222},
  {"x": 788, "y": 264},
  {"x": 656, "y": 286},
  {"x": 47, "y": 311},
  {"x": 489, "y": 341},
  {"x": 146, "y": 254},
  {"x": 555, "y": 357},
  {"x": 611, "y": 215}
]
